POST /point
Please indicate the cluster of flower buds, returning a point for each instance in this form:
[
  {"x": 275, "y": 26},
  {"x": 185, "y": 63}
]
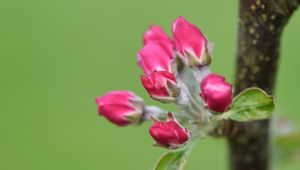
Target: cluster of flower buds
[
  {"x": 162, "y": 82},
  {"x": 155, "y": 59},
  {"x": 159, "y": 52}
]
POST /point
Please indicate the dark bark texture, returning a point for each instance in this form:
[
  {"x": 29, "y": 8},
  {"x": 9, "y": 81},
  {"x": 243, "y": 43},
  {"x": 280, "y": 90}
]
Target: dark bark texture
[{"x": 260, "y": 25}]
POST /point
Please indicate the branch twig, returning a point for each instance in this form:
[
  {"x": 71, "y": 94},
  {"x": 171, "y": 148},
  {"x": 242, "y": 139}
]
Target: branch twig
[
  {"x": 261, "y": 23},
  {"x": 260, "y": 26}
]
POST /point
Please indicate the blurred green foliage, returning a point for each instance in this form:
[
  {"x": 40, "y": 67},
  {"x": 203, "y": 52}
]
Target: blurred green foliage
[{"x": 56, "y": 56}]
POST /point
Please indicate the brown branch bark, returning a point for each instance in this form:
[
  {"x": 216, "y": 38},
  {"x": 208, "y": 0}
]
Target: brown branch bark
[{"x": 260, "y": 25}]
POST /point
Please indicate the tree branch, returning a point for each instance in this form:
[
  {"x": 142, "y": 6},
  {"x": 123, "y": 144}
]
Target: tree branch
[{"x": 260, "y": 26}]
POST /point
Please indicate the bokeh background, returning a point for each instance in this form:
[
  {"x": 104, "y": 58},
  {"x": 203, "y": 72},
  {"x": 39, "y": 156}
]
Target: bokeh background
[{"x": 56, "y": 56}]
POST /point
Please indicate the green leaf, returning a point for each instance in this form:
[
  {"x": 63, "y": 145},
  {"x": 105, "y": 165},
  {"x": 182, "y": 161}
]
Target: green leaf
[
  {"x": 172, "y": 160},
  {"x": 176, "y": 159},
  {"x": 251, "y": 104}
]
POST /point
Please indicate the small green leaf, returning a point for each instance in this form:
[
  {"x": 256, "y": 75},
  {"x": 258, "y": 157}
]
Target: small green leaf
[
  {"x": 176, "y": 159},
  {"x": 251, "y": 104},
  {"x": 172, "y": 160}
]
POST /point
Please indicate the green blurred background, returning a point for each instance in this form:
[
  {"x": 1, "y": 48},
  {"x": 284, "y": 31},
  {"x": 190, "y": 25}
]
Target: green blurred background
[{"x": 56, "y": 56}]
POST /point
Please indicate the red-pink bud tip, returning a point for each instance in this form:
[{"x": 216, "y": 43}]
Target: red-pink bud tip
[
  {"x": 121, "y": 107},
  {"x": 190, "y": 42},
  {"x": 155, "y": 35},
  {"x": 161, "y": 86},
  {"x": 153, "y": 57},
  {"x": 216, "y": 93},
  {"x": 169, "y": 134}
]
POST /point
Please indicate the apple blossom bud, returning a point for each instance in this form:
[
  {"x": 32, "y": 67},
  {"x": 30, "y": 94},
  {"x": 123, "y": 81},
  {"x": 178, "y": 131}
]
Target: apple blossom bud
[
  {"x": 216, "y": 92},
  {"x": 157, "y": 36},
  {"x": 161, "y": 86},
  {"x": 168, "y": 134},
  {"x": 190, "y": 43},
  {"x": 121, "y": 107},
  {"x": 153, "y": 57}
]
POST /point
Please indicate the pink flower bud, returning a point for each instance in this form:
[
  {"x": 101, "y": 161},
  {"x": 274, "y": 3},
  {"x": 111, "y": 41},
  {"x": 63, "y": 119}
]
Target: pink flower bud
[
  {"x": 121, "y": 107},
  {"x": 161, "y": 86},
  {"x": 190, "y": 42},
  {"x": 168, "y": 134},
  {"x": 157, "y": 36},
  {"x": 216, "y": 92},
  {"x": 153, "y": 57}
]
